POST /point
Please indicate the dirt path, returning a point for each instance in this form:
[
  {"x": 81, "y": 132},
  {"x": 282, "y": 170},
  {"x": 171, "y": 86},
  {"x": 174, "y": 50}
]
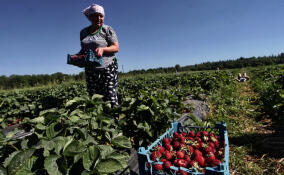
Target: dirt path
[{"x": 249, "y": 151}]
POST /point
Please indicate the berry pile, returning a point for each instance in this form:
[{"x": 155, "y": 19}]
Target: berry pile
[{"x": 193, "y": 149}]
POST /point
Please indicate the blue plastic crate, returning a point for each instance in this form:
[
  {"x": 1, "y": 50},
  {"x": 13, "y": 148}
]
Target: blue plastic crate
[
  {"x": 221, "y": 169},
  {"x": 89, "y": 59}
]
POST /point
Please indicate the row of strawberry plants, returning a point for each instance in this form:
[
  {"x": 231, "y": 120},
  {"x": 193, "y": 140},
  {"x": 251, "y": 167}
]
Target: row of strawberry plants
[
  {"x": 269, "y": 84},
  {"x": 29, "y": 103}
]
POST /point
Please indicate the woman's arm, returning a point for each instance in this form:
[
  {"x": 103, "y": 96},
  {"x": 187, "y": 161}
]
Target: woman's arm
[{"x": 110, "y": 49}]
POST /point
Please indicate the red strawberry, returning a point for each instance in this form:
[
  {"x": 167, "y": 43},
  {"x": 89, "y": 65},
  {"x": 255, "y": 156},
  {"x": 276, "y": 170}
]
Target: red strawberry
[
  {"x": 175, "y": 162},
  {"x": 190, "y": 138},
  {"x": 181, "y": 172},
  {"x": 196, "y": 145},
  {"x": 182, "y": 163},
  {"x": 207, "y": 149},
  {"x": 210, "y": 157},
  {"x": 168, "y": 155},
  {"x": 180, "y": 155},
  {"x": 190, "y": 149},
  {"x": 198, "y": 134},
  {"x": 176, "y": 144},
  {"x": 182, "y": 145},
  {"x": 158, "y": 167},
  {"x": 167, "y": 164},
  {"x": 166, "y": 141},
  {"x": 197, "y": 153},
  {"x": 183, "y": 134},
  {"x": 213, "y": 150},
  {"x": 182, "y": 139},
  {"x": 204, "y": 133},
  {"x": 147, "y": 165},
  {"x": 191, "y": 134},
  {"x": 193, "y": 163},
  {"x": 200, "y": 160},
  {"x": 187, "y": 158},
  {"x": 198, "y": 139},
  {"x": 163, "y": 160},
  {"x": 211, "y": 144},
  {"x": 155, "y": 155},
  {"x": 176, "y": 135},
  {"x": 203, "y": 145},
  {"x": 169, "y": 147},
  {"x": 161, "y": 149},
  {"x": 216, "y": 162}
]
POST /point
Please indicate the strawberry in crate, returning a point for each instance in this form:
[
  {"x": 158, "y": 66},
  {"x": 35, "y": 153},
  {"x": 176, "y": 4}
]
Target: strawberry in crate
[{"x": 188, "y": 150}]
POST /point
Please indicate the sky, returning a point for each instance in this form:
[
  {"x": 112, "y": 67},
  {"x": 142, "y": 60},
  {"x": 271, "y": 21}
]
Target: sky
[{"x": 37, "y": 35}]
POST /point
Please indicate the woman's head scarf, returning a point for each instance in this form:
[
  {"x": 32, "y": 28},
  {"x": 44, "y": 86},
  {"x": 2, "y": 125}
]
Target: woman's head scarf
[{"x": 94, "y": 8}]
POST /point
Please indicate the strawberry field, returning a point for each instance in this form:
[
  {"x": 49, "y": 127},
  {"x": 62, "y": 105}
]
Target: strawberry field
[{"x": 72, "y": 133}]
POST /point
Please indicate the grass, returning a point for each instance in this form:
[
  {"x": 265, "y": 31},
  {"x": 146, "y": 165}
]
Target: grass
[{"x": 237, "y": 105}]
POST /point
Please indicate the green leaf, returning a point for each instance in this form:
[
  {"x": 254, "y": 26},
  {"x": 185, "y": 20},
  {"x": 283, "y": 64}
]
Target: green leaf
[
  {"x": 91, "y": 157},
  {"x": 59, "y": 143},
  {"x": 74, "y": 119},
  {"x": 12, "y": 133},
  {"x": 18, "y": 160},
  {"x": 26, "y": 168},
  {"x": 38, "y": 120},
  {"x": 40, "y": 126},
  {"x": 3, "y": 171},
  {"x": 97, "y": 97},
  {"x": 94, "y": 124},
  {"x": 51, "y": 132},
  {"x": 51, "y": 166},
  {"x": 121, "y": 142},
  {"x": 142, "y": 108},
  {"x": 108, "y": 166},
  {"x": 120, "y": 157},
  {"x": 87, "y": 162},
  {"x": 85, "y": 172},
  {"x": 24, "y": 144},
  {"x": 77, "y": 157},
  {"x": 70, "y": 103},
  {"x": 94, "y": 152},
  {"x": 8, "y": 159},
  {"x": 73, "y": 148},
  {"x": 46, "y": 153},
  {"x": 50, "y": 114},
  {"x": 105, "y": 150}
]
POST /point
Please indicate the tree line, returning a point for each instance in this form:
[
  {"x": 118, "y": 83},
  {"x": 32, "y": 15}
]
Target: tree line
[
  {"x": 21, "y": 81},
  {"x": 225, "y": 64}
]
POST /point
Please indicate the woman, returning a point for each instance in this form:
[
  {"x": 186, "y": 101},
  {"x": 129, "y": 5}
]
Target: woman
[{"x": 103, "y": 41}]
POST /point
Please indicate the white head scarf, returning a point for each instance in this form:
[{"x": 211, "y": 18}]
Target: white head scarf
[{"x": 94, "y": 8}]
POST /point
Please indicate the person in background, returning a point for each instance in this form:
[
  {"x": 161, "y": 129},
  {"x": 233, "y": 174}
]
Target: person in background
[
  {"x": 242, "y": 78},
  {"x": 245, "y": 76},
  {"x": 102, "y": 40}
]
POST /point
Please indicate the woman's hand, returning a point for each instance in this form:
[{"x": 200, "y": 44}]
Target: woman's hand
[
  {"x": 74, "y": 57},
  {"x": 111, "y": 49},
  {"x": 99, "y": 52}
]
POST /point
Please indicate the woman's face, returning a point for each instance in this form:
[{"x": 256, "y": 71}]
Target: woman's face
[{"x": 97, "y": 19}]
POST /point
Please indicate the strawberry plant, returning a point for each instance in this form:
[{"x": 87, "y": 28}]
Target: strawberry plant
[{"x": 78, "y": 139}]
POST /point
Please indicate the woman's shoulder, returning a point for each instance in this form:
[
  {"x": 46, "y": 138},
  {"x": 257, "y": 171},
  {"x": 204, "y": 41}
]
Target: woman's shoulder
[
  {"x": 85, "y": 30},
  {"x": 106, "y": 28}
]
